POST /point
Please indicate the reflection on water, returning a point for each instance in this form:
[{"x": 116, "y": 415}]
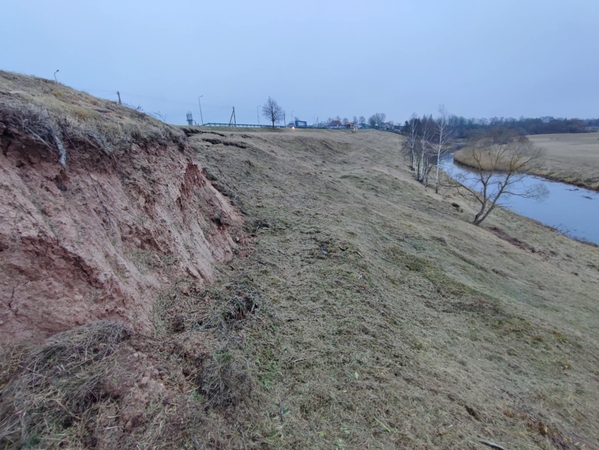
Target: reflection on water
[{"x": 573, "y": 211}]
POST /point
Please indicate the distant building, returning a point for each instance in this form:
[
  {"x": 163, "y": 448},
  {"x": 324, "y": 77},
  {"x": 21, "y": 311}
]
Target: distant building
[
  {"x": 336, "y": 125},
  {"x": 386, "y": 126}
]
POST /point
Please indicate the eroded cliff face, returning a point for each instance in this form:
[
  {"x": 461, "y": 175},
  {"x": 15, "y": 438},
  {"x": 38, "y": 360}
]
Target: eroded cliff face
[{"x": 103, "y": 236}]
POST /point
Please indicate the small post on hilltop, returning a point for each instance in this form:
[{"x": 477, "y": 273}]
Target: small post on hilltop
[{"x": 201, "y": 115}]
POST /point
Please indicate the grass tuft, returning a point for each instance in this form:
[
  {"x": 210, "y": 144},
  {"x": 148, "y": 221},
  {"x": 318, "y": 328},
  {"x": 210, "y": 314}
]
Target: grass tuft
[
  {"x": 225, "y": 382},
  {"x": 55, "y": 384}
]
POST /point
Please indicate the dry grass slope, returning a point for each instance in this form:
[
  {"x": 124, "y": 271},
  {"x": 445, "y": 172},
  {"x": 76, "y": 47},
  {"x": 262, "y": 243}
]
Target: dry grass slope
[
  {"x": 370, "y": 314},
  {"x": 54, "y": 115},
  {"x": 400, "y": 324},
  {"x": 67, "y": 370}
]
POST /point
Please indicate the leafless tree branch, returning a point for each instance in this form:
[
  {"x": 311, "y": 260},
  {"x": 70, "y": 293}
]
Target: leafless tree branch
[{"x": 497, "y": 165}]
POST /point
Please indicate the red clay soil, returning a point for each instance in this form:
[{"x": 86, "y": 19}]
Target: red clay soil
[{"x": 101, "y": 238}]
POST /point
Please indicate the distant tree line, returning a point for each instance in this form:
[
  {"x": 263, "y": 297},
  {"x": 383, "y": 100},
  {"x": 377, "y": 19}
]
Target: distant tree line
[
  {"x": 463, "y": 128},
  {"x": 377, "y": 120}
]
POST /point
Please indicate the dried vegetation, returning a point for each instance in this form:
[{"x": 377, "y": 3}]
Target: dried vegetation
[
  {"x": 54, "y": 385},
  {"x": 57, "y": 117},
  {"x": 371, "y": 314},
  {"x": 570, "y": 158},
  {"x": 399, "y": 324}
]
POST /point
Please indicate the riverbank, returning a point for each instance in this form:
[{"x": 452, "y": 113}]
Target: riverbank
[
  {"x": 567, "y": 158},
  {"x": 572, "y": 211},
  {"x": 395, "y": 311},
  {"x": 355, "y": 309}
]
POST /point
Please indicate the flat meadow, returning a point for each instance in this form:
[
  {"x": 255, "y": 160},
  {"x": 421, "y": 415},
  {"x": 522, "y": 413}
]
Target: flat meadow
[{"x": 570, "y": 158}]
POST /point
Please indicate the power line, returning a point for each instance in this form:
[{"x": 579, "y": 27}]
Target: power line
[{"x": 212, "y": 109}]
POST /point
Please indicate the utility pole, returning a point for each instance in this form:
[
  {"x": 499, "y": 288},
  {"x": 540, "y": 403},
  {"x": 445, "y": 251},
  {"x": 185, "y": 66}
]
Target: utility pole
[
  {"x": 201, "y": 116},
  {"x": 119, "y": 95},
  {"x": 233, "y": 119},
  {"x": 56, "y": 79}
]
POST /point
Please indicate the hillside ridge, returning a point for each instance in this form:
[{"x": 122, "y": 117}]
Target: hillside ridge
[{"x": 278, "y": 289}]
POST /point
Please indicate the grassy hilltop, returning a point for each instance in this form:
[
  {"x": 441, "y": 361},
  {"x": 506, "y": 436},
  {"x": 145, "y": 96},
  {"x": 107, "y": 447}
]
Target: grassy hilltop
[{"x": 366, "y": 312}]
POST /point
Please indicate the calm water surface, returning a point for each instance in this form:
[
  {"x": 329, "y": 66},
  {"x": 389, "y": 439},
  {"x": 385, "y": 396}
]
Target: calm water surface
[{"x": 573, "y": 211}]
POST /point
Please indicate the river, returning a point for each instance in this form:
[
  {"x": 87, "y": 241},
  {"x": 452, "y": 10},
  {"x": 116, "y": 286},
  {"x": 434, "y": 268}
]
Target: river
[{"x": 571, "y": 210}]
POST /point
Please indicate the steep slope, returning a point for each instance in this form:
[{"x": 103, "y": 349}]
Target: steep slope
[
  {"x": 98, "y": 237},
  {"x": 366, "y": 313}
]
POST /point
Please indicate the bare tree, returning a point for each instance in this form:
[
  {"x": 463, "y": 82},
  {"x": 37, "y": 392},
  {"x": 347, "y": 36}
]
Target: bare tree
[
  {"x": 411, "y": 133},
  {"x": 427, "y": 140},
  {"x": 498, "y": 164},
  {"x": 272, "y": 111},
  {"x": 376, "y": 120},
  {"x": 423, "y": 153},
  {"x": 442, "y": 140}
]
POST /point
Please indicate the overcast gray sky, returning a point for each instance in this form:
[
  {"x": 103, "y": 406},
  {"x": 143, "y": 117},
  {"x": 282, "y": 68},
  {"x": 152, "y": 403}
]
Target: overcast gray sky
[{"x": 480, "y": 58}]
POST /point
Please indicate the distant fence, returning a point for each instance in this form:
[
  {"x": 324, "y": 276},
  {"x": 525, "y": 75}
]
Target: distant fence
[
  {"x": 240, "y": 125},
  {"x": 253, "y": 125}
]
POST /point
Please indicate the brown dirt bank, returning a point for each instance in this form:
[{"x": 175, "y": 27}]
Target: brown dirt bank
[{"x": 102, "y": 236}]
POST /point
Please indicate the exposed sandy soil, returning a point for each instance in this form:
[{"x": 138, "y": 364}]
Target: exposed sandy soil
[
  {"x": 101, "y": 238},
  {"x": 369, "y": 313}
]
